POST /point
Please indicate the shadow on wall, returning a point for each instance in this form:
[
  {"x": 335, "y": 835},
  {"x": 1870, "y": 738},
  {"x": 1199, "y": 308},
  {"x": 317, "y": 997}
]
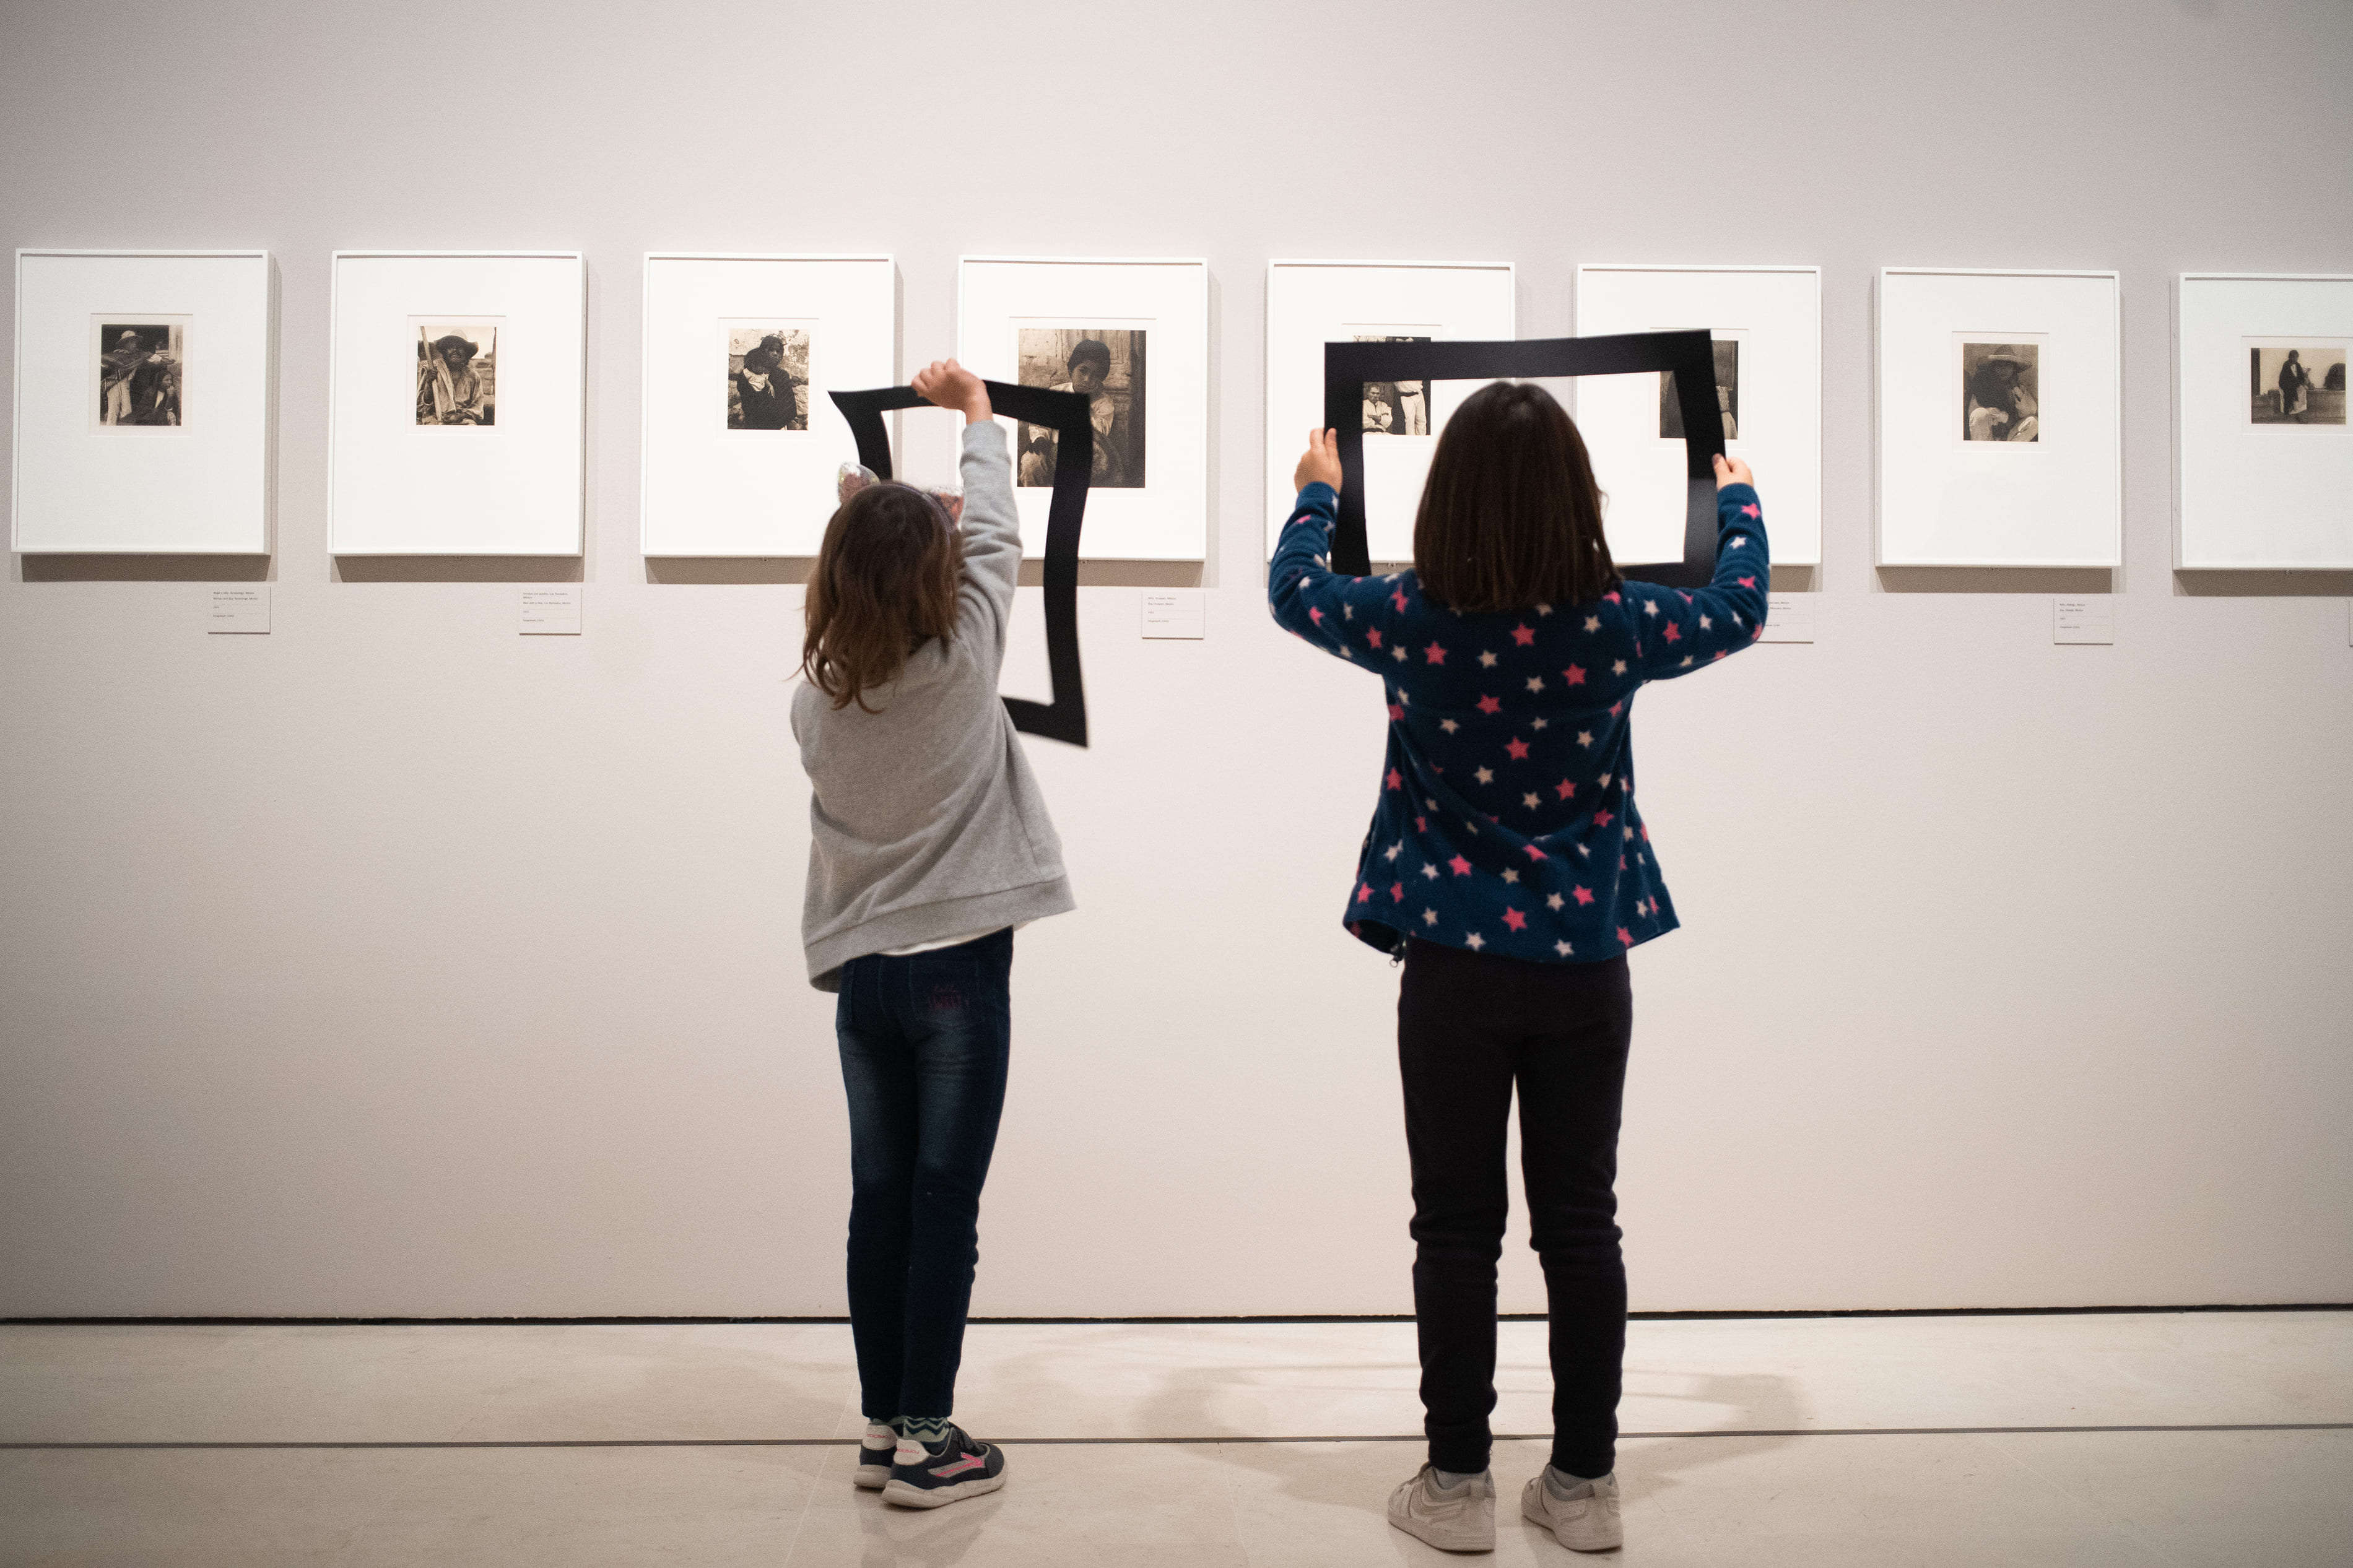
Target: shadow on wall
[
  {"x": 2069, "y": 579},
  {"x": 145, "y": 568},
  {"x": 459, "y": 568},
  {"x": 2262, "y": 585}
]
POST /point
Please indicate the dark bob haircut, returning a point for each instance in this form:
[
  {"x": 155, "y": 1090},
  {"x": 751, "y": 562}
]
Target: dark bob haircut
[
  {"x": 885, "y": 579},
  {"x": 1511, "y": 516}
]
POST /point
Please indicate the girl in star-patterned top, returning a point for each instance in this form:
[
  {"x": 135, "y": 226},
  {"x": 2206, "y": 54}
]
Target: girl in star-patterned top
[{"x": 1508, "y": 867}]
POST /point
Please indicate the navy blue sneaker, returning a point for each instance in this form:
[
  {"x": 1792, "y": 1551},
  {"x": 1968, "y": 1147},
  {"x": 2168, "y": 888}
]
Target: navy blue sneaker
[
  {"x": 874, "y": 1451},
  {"x": 950, "y": 1472}
]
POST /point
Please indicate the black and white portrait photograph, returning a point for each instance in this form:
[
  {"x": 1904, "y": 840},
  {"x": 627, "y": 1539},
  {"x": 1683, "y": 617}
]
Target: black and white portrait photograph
[
  {"x": 142, "y": 372},
  {"x": 768, "y": 375},
  {"x": 2001, "y": 392},
  {"x": 1727, "y": 395},
  {"x": 1396, "y": 407},
  {"x": 456, "y": 372},
  {"x": 1105, "y": 366},
  {"x": 2296, "y": 380}
]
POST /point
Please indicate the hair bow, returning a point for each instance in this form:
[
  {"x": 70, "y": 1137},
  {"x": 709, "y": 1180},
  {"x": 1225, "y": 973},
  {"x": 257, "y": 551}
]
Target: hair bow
[{"x": 856, "y": 477}]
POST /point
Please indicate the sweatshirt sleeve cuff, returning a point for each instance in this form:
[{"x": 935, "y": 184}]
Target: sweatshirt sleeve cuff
[{"x": 1320, "y": 496}]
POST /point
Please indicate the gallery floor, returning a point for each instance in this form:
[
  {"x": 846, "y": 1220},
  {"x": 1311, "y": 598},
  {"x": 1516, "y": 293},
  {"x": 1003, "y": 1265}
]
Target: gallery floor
[{"x": 2184, "y": 1438}]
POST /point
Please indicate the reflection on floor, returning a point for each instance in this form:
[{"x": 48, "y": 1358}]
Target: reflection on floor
[{"x": 2145, "y": 1438}]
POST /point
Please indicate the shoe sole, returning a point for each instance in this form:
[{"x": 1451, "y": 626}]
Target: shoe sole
[
  {"x": 1587, "y": 1538},
  {"x": 871, "y": 1476},
  {"x": 1423, "y": 1533},
  {"x": 906, "y": 1496}
]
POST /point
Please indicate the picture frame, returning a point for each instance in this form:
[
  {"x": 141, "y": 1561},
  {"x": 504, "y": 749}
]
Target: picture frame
[
  {"x": 457, "y": 403},
  {"x": 720, "y": 479},
  {"x": 1310, "y": 304},
  {"x": 1133, "y": 337},
  {"x": 1767, "y": 321},
  {"x": 2035, "y": 482},
  {"x": 2264, "y": 455},
  {"x": 145, "y": 389}
]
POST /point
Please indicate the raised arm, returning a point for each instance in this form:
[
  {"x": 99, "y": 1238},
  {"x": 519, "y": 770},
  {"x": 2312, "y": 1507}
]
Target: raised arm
[
  {"x": 1677, "y": 631},
  {"x": 991, "y": 524},
  {"x": 1306, "y": 595}
]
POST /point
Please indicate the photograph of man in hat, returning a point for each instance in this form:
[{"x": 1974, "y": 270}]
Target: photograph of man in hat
[
  {"x": 760, "y": 387},
  {"x": 2298, "y": 383},
  {"x": 1999, "y": 387},
  {"x": 139, "y": 376},
  {"x": 451, "y": 388}
]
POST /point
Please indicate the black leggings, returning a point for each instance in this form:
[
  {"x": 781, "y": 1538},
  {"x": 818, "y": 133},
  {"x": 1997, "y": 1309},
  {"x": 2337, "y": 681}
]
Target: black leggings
[{"x": 1468, "y": 1028}]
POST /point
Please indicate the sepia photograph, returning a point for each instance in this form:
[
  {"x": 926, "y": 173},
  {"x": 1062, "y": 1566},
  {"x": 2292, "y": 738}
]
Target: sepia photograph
[
  {"x": 456, "y": 371},
  {"x": 1727, "y": 395},
  {"x": 2001, "y": 392},
  {"x": 1105, "y": 366},
  {"x": 2296, "y": 380},
  {"x": 142, "y": 372},
  {"x": 768, "y": 374},
  {"x": 1397, "y": 407}
]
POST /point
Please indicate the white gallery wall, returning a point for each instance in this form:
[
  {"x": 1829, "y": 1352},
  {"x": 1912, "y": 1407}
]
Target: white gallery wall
[{"x": 393, "y": 963}]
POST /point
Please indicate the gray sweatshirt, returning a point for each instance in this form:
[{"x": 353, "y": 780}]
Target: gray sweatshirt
[{"x": 924, "y": 820}]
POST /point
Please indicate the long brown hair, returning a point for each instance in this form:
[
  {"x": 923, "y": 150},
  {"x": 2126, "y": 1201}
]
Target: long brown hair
[
  {"x": 885, "y": 579},
  {"x": 1511, "y": 516}
]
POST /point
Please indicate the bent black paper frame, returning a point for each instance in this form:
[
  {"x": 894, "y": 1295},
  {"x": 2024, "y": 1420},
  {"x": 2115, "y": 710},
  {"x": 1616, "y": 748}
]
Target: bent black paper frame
[
  {"x": 1347, "y": 366},
  {"x": 1065, "y": 718}
]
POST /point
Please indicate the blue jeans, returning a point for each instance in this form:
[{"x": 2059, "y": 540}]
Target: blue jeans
[{"x": 924, "y": 1041}]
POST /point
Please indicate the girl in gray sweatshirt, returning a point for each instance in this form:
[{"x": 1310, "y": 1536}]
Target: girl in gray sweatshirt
[{"x": 929, "y": 844}]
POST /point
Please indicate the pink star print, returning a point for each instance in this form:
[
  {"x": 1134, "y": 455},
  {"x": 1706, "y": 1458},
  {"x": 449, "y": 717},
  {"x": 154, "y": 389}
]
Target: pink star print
[
  {"x": 1516, "y": 921},
  {"x": 1748, "y": 582},
  {"x": 1460, "y": 866},
  {"x": 1397, "y": 892},
  {"x": 1601, "y": 819},
  {"x": 1396, "y": 780},
  {"x": 1619, "y": 706},
  {"x": 1396, "y": 712},
  {"x": 1612, "y": 597},
  {"x": 1488, "y": 705},
  {"x": 1315, "y": 615},
  {"x": 1421, "y": 824},
  {"x": 1534, "y": 853},
  {"x": 1523, "y": 634},
  {"x": 1625, "y": 936},
  {"x": 1364, "y": 893},
  {"x": 1566, "y": 789},
  {"x": 1373, "y": 639},
  {"x": 1750, "y": 511},
  {"x": 1517, "y": 747},
  {"x": 1574, "y": 675},
  {"x": 1584, "y": 896},
  {"x": 1435, "y": 654},
  {"x": 1674, "y": 636},
  {"x": 1397, "y": 599}
]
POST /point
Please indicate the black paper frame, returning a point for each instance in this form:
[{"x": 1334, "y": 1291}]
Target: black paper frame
[
  {"x": 1066, "y": 412},
  {"x": 1689, "y": 354}
]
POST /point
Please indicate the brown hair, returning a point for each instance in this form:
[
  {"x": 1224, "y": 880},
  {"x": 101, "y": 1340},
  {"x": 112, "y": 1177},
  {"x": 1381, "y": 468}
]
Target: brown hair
[
  {"x": 1511, "y": 516},
  {"x": 885, "y": 579}
]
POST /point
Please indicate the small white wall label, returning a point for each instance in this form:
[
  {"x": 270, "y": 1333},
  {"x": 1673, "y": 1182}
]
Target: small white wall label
[
  {"x": 1788, "y": 617},
  {"x": 1174, "y": 612},
  {"x": 551, "y": 612},
  {"x": 2088, "y": 620},
  {"x": 238, "y": 610}
]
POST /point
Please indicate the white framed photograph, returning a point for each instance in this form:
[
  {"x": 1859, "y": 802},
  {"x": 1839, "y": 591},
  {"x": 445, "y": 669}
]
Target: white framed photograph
[
  {"x": 742, "y": 437},
  {"x": 1311, "y": 303},
  {"x": 142, "y": 401},
  {"x": 455, "y": 386},
  {"x": 1133, "y": 337},
  {"x": 1767, "y": 321},
  {"x": 2000, "y": 418},
  {"x": 2264, "y": 455}
]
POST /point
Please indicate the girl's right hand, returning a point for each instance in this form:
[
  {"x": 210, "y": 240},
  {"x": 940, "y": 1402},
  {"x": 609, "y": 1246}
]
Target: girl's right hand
[
  {"x": 950, "y": 385},
  {"x": 1732, "y": 471},
  {"x": 1320, "y": 464}
]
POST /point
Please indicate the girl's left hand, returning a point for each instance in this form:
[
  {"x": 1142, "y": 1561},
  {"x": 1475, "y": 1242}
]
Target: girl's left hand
[{"x": 1320, "y": 464}]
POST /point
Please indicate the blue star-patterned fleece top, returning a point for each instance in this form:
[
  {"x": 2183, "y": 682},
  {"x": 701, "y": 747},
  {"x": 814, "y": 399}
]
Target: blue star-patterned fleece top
[{"x": 1506, "y": 822}]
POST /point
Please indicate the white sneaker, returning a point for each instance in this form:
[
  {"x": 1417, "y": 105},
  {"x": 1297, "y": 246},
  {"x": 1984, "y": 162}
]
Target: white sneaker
[
  {"x": 1581, "y": 1515},
  {"x": 1460, "y": 1518}
]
